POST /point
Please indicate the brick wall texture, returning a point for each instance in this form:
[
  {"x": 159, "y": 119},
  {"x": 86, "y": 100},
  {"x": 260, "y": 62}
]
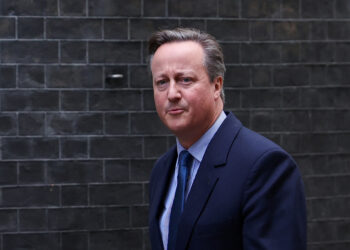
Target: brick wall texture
[{"x": 77, "y": 147}]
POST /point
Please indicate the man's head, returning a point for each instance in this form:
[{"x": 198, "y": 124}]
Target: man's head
[
  {"x": 214, "y": 58},
  {"x": 187, "y": 98}
]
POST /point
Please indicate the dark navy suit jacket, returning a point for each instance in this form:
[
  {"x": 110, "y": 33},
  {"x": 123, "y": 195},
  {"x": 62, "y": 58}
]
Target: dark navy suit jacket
[{"x": 248, "y": 194}]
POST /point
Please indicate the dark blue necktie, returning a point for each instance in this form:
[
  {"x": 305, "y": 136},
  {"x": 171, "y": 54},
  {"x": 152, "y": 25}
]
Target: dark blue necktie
[{"x": 185, "y": 160}]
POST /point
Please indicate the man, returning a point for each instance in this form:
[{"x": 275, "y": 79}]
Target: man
[{"x": 222, "y": 186}]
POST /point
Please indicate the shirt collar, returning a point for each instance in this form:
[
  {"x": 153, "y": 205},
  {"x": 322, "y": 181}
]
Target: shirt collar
[{"x": 198, "y": 149}]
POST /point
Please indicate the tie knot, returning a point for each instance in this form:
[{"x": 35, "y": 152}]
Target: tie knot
[{"x": 185, "y": 158}]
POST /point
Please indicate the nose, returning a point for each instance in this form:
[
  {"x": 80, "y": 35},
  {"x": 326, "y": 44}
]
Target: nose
[{"x": 174, "y": 93}]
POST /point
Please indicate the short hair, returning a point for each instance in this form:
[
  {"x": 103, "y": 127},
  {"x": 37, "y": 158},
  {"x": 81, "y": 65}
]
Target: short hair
[{"x": 213, "y": 56}]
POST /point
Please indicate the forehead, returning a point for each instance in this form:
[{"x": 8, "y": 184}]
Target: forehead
[{"x": 183, "y": 52}]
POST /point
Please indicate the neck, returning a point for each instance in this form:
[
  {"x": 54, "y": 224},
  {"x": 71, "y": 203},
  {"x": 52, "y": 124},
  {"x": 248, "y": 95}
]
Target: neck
[{"x": 188, "y": 139}]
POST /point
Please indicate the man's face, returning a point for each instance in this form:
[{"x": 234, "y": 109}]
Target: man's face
[{"x": 186, "y": 101}]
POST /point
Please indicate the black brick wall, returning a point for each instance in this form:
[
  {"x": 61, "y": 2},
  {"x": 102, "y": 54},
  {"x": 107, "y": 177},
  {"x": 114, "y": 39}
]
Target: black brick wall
[{"x": 76, "y": 149}]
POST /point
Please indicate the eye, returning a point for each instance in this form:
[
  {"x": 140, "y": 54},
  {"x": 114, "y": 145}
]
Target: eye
[{"x": 186, "y": 80}]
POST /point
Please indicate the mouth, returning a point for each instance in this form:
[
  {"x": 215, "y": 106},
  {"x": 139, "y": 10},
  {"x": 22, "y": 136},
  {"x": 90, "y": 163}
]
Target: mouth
[{"x": 175, "y": 111}]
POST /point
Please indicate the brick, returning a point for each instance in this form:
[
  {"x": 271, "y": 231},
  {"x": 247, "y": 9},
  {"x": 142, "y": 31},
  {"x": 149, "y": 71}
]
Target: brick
[
  {"x": 329, "y": 207},
  {"x": 115, "y": 100},
  {"x": 7, "y": 77},
  {"x": 342, "y": 8},
  {"x": 337, "y": 164},
  {"x": 330, "y": 120},
  {"x": 74, "y": 147},
  {"x": 293, "y": 120},
  {"x": 8, "y": 220},
  {"x": 319, "y": 9},
  {"x": 139, "y": 216},
  {"x": 73, "y": 8},
  {"x": 115, "y": 147},
  {"x": 261, "y": 76},
  {"x": 79, "y": 28},
  {"x": 73, "y": 100},
  {"x": 116, "y": 194},
  {"x": 260, "y": 53},
  {"x": 291, "y": 97},
  {"x": 154, "y": 146},
  {"x": 117, "y": 170},
  {"x": 319, "y": 74},
  {"x": 343, "y": 142},
  {"x": 75, "y": 240},
  {"x": 26, "y": 8},
  {"x": 334, "y": 230},
  {"x": 29, "y": 148},
  {"x": 263, "y": 98},
  {"x": 140, "y": 170},
  {"x": 325, "y": 97},
  {"x": 261, "y": 121},
  {"x": 117, "y": 217},
  {"x": 31, "y": 124},
  {"x": 237, "y": 76},
  {"x": 342, "y": 52},
  {"x": 290, "y": 8},
  {"x": 32, "y": 220},
  {"x": 154, "y": 8},
  {"x": 37, "y": 241},
  {"x": 290, "y": 52},
  {"x": 114, "y": 52},
  {"x": 229, "y": 8},
  {"x": 116, "y": 83},
  {"x": 147, "y": 123},
  {"x": 309, "y": 143},
  {"x": 74, "y": 76},
  {"x": 262, "y": 8},
  {"x": 244, "y": 117},
  {"x": 291, "y": 76},
  {"x": 192, "y": 8},
  {"x": 288, "y": 30},
  {"x": 231, "y": 52},
  {"x": 329, "y": 245},
  {"x": 31, "y": 172},
  {"x": 317, "y": 52},
  {"x": 141, "y": 29},
  {"x": 73, "y": 52},
  {"x": 42, "y": 196},
  {"x": 30, "y": 27},
  {"x": 116, "y": 123},
  {"x": 74, "y": 123},
  {"x": 228, "y": 29},
  {"x": 148, "y": 100},
  {"x": 114, "y": 8},
  {"x": 140, "y": 76},
  {"x": 8, "y": 124},
  {"x": 338, "y": 30},
  {"x": 74, "y": 195},
  {"x": 319, "y": 30},
  {"x": 261, "y": 30},
  {"x": 74, "y": 171},
  {"x": 115, "y": 29},
  {"x": 75, "y": 219},
  {"x": 232, "y": 99},
  {"x": 8, "y": 173},
  {"x": 117, "y": 239},
  {"x": 31, "y": 76},
  {"x": 7, "y": 27},
  {"x": 193, "y": 23},
  {"x": 29, "y": 52}
]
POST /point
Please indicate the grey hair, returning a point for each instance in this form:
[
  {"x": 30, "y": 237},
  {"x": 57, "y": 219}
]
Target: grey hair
[{"x": 214, "y": 58}]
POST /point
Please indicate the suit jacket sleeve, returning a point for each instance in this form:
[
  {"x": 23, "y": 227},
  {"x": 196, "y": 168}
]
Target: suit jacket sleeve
[{"x": 274, "y": 204}]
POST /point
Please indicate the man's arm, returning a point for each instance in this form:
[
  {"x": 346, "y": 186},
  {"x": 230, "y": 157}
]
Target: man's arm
[{"x": 274, "y": 205}]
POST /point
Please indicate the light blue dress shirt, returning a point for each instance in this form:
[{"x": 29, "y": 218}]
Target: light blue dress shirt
[{"x": 197, "y": 150}]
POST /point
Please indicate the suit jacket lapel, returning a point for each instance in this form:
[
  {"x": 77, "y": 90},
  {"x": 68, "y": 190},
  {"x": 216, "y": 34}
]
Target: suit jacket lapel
[
  {"x": 159, "y": 191},
  {"x": 207, "y": 177}
]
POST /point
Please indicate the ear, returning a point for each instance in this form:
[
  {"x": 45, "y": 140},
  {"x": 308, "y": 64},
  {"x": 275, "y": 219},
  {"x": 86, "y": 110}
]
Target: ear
[{"x": 218, "y": 85}]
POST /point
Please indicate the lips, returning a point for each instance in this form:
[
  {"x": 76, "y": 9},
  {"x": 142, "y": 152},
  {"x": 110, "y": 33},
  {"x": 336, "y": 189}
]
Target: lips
[{"x": 175, "y": 111}]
